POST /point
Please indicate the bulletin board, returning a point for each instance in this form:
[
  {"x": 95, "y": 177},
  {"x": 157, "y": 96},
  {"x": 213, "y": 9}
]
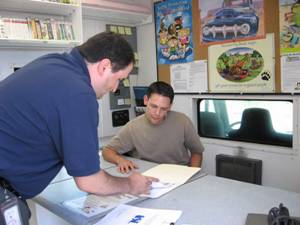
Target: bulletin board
[
  {"x": 271, "y": 13},
  {"x": 129, "y": 34}
]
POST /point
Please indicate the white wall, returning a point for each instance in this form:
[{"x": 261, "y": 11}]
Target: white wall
[
  {"x": 280, "y": 165},
  {"x": 16, "y": 58},
  {"x": 147, "y": 54}
]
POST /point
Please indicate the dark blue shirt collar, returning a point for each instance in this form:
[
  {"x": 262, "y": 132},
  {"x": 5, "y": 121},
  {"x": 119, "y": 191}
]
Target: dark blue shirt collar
[{"x": 79, "y": 59}]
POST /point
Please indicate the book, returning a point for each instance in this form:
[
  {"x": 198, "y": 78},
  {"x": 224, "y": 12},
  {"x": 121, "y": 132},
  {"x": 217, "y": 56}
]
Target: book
[
  {"x": 7, "y": 27},
  {"x": 49, "y": 29},
  {"x": 29, "y": 27},
  {"x": 38, "y": 29},
  {"x": 3, "y": 33},
  {"x": 44, "y": 30},
  {"x": 69, "y": 31},
  {"x": 33, "y": 29},
  {"x": 62, "y": 31}
]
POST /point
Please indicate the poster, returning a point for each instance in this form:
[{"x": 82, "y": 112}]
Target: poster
[
  {"x": 173, "y": 31},
  {"x": 290, "y": 73},
  {"x": 289, "y": 22},
  {"x": 239, "y": 67},
  {"x": 228, "y": 20},
  {"x": 189, "y": 77}
]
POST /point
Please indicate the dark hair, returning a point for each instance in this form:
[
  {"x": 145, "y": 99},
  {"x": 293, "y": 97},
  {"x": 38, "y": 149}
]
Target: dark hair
[
  {"x": 108, "y": 45},
  {"x": 161, "y": 88}
]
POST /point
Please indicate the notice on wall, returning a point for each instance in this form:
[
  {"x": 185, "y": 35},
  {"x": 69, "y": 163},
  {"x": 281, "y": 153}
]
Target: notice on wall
[
  {"x": 189, "y": 77},
  {"x": 290, "y": 73},
  {"x": 246, "y": 66}
]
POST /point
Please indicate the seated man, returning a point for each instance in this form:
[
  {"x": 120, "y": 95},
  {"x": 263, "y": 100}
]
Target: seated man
[{"x": 159, "y": 135}]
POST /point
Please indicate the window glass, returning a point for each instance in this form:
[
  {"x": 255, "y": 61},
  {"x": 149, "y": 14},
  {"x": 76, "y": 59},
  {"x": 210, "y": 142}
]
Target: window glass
[{"x": 258, "y": 121}]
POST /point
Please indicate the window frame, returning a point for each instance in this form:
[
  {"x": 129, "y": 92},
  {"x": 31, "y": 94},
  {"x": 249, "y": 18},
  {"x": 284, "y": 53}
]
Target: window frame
[{"x": 246, "y": 144}]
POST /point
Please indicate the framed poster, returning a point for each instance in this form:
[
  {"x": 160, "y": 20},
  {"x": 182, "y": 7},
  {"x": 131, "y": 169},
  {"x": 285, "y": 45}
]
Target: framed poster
[
  {"x": 289, "y": 22},
  {"x": 173, "y": 31},
  {"x": 240, "y": 67},
  {"x": 229, "y": 20}
]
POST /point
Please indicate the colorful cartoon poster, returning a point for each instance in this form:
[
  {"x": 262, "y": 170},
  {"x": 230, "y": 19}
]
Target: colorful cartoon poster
[
  {"x": 289, "y": 14},
  {"x": 173, "y": 31},
  {"x": 229, "y": 20},
  {"x": 240, "y": 67}
]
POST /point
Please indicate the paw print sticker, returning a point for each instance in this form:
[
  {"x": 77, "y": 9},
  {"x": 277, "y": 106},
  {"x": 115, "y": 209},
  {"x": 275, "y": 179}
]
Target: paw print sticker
[{"x": 265, "y": 76}]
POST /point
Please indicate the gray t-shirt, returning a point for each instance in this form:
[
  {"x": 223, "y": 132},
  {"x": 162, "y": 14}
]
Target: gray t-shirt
[{"x": 172, "y": 141}]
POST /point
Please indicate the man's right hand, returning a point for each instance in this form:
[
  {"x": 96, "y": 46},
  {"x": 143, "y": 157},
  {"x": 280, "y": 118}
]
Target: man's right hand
[
  {"x": 125, "y": 166},
  {"x": 140, "y": 184}
]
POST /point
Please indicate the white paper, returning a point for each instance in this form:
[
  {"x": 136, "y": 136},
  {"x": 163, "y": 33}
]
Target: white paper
[
  {"x": 290, "y": 73},
  {"x": 189, "y": 77},
  {"x": 170, "y": 176},
  {"x": 91, "y": 205},
  {"x": 125, "y": 214},
  {"x": 121, "y": 101}
]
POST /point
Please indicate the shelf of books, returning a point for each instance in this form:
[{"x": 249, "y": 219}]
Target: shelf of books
[{"x": 42, "y": 24}]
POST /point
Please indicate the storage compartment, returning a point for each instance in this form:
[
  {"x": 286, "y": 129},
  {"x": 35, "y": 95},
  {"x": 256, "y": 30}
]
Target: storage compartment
[{"x": 239, "y": 168}]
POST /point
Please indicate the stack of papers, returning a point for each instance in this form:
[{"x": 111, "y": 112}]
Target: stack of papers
[
  {"x": 170, "y": 176},
  {"x": 126, "y": 214},
  {"x": 92, "y": 205}
]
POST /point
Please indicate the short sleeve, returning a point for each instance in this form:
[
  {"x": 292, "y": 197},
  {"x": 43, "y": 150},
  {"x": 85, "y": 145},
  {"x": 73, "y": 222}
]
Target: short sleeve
[
  {"x": 78, "y": 134},
  {"x": 122, "y": 141},
  {"x": 192, "y": 139}
]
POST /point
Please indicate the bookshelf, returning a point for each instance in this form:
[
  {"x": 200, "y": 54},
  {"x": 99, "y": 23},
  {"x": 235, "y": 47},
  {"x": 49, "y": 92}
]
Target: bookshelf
[{"x": 43, "y": 24}]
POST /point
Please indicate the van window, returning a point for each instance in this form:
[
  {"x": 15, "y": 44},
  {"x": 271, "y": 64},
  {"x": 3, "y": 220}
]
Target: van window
[{"x": 258, "y": 121}]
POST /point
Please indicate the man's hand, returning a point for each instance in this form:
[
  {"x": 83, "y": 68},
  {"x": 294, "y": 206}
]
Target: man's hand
[
  {"x": 125, "y": 166},
  {"x": 139, "y": 184}
]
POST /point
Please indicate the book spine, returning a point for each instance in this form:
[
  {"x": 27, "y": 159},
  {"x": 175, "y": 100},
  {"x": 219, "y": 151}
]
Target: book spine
[
  {"x": 34, "y": 29},
  {"x": 38, "y": 28},
  {"x": 49, "y": 28},
  {"x": 44, "y": 30},
  {"x": 3, "y": 30},
  {"x": 29, "y": 27}
]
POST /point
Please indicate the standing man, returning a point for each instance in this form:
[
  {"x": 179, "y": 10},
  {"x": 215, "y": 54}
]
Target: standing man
[
  {"x": 49, "y": 119},
  {"x": 159, "y": 135}
]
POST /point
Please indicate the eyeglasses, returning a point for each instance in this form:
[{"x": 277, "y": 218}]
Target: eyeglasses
[{"x": 154, "y": 107}]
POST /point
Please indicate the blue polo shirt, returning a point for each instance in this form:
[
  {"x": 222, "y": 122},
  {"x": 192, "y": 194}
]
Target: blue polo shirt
[{"x": 48, "y": 118}]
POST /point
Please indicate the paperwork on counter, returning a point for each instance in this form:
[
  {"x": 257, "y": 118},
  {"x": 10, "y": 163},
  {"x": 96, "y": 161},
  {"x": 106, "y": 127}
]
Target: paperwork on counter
[
  {"x": 92, "y": 205},
  {"x": 126, "y": 214},
  {"x": 170, "y": 177}
]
